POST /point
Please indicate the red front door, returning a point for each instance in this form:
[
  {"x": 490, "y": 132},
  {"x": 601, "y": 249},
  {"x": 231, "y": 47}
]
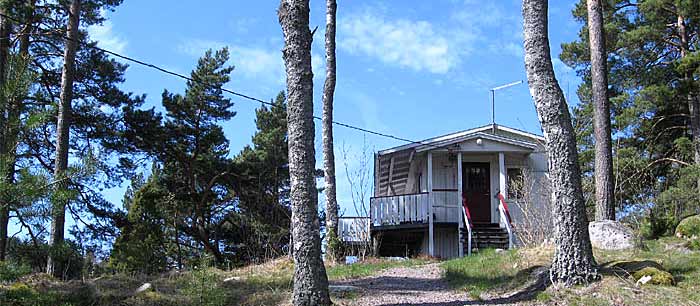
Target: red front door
[{"x": 476, "y": 185}]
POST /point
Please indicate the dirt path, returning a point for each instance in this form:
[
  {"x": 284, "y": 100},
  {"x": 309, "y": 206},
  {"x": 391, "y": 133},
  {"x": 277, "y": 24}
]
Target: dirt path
[
  {"x": 422, "y": 285},
  {"x": 425, "y": 286}
]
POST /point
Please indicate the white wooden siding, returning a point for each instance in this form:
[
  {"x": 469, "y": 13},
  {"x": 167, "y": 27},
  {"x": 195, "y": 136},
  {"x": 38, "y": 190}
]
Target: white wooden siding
[{"x": 446, "y": 243}]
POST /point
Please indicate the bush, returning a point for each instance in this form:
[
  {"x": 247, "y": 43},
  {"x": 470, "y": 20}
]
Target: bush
[
  {"x": 694, "y": 244},
  {"x": 689, "y": 227},
  {"x": 10, "y": 271},
  {"x": 203, "y": 287},
  {"x": 654, "y": 227}
]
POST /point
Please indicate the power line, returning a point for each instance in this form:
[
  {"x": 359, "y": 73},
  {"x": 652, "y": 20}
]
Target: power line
[{"x": 232, "y": 92}]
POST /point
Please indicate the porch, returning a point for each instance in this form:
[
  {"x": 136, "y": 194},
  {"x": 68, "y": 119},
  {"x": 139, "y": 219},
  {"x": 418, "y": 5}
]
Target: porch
[{"x": 460, "y": 191}]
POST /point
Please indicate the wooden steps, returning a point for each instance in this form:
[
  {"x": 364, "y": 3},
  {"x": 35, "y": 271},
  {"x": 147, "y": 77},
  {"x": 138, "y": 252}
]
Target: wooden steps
[{"x": 486, "y": 235}]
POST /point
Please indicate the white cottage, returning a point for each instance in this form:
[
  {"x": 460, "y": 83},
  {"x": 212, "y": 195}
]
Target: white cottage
[{"x": 447, "y": 195}]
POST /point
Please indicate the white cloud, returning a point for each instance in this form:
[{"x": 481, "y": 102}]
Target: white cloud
[
  {"x": 106, "y": 37},
  {"x": 400, "y": 42},
  {"x": 472, "y": 28}
]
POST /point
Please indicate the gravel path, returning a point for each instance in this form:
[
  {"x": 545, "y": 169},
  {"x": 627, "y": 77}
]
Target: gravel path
[
  {"x": 422, "y": 285},
  {"x": 425, "y": 286}
]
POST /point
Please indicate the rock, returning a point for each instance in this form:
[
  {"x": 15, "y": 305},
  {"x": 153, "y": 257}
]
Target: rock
[
  {"x": 642, "y": 281},
  {"x": 499, "y": 251},
  {"x": 654, "y": 276},
  {"x": 688, "y": 227},
  {"x": 232, "y": 278},
  {"x": 145, "y": 287},
  {"x": 610, "y": 235},
  {"x": 342, "y": 289}
]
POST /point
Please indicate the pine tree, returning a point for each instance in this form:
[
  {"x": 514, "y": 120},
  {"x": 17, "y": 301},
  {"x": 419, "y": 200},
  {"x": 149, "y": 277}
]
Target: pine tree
[
  {"x": 6, "y": 170},
  {"x": 651, "y": 116},
  {"x": 58, "y": 214},
  {"x": 573, "y": 261},
  {"x": 262, "y": 186},
  {"x": 333, "y": 247},
  {"x": 604, "y": 181},
  {"x": 142, "y": 244},
  {"x": 310, "y": 280},
  {"x": 191, "y": 148}
]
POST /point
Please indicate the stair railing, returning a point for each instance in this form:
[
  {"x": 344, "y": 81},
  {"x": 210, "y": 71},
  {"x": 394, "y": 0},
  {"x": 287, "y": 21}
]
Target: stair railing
[
  {"x": 468, "y": 223},
  {"x": 505, "y": 215}
]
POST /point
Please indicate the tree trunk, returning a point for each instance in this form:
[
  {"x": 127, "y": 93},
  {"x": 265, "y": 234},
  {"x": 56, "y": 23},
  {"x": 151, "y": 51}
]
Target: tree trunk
[
  {"x": 310, "y": 280},
  {"x": 573, "y": 261},
  {"x": 328, "y": 155},
  {"x": 63, "y": 132},
  {"x": 604, "y": 182},
  {"x": 6, "y": 165},
  {"x": 28, "y": 27},
  {"x": 693, "y": 102}
]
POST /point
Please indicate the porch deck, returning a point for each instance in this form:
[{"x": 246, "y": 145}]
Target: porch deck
[{"x": 412, "y": 210}]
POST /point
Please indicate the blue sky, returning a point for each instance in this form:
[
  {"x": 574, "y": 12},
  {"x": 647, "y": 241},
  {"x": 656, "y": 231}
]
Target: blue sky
[{"x": 415, "y": 69}]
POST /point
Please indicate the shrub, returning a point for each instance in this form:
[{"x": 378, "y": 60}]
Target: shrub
[
  {"x": 10, "y": 271},
  {"x": 657, "y": 226},
  {"x": 203, "y": 287},
  {"x": 689, "y": 227},
  {"x": 694, "y": 244}
]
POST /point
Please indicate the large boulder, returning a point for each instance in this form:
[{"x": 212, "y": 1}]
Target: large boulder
[
  {"x": 610, "y": 235},
  {"x": 689, "y": 227}
]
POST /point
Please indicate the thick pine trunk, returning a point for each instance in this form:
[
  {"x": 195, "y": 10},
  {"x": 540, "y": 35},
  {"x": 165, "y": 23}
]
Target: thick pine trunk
[
  {"x": 58, "y": 214},
  {"x": 310, "y": 280},
  {"x": 691, "y": 98},
  {"x": 604, "y": 181},
  {"x": 573, "y": 261},
  {"x": 6, "y": 164},
  {"x": 327, "y": 122}
]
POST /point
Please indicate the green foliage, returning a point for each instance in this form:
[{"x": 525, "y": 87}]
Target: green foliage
[
  {"x": 141, "y": 245},
  {"x": 654, "y": 226},
  {"x": 10, "y": 271},
  {"x": 263, "y": 222},
  {"x": 68, "y": 259},
  {"x": 195, "y": 191},
  {"x": 689, "y": 227},
  {"x": 650, "y": 117},
  {"x": 22, "y": 294},
  {"x": 203, "y": 287}
]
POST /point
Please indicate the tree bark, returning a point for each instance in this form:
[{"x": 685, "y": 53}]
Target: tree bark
[
  {"x": 327, "y": 122},
  {"x": 604, "y": 181},
  {"x": 310, "y": 280},
  {"x": 63, "y": 133},
  {"x": 573, "y": 261},
  {"x": 692, "y": 100},
  {"x": 6, "y": 165},
  {"x": 24, "y": 40}
]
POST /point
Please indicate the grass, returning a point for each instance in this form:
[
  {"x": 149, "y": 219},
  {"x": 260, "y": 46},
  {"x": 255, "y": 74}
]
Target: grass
[
  {"x": 484, "y": 271},
  {"x": 265, "y": 284},
  {"x": 487, "y": 274}
]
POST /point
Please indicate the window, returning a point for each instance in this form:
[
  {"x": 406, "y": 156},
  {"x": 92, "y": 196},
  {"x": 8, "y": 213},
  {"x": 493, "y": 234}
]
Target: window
[{"x": 515, "y": 183}]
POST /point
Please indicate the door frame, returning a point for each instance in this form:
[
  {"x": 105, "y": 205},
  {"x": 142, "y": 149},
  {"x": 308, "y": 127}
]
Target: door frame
[{"x": 492, "y": 160}]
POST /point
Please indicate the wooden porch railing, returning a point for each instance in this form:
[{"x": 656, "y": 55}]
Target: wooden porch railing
[{"x": 399, "y": 209}]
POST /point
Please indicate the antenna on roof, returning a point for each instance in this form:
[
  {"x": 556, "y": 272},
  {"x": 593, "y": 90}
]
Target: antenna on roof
[{"x": 493, "y": 101}]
